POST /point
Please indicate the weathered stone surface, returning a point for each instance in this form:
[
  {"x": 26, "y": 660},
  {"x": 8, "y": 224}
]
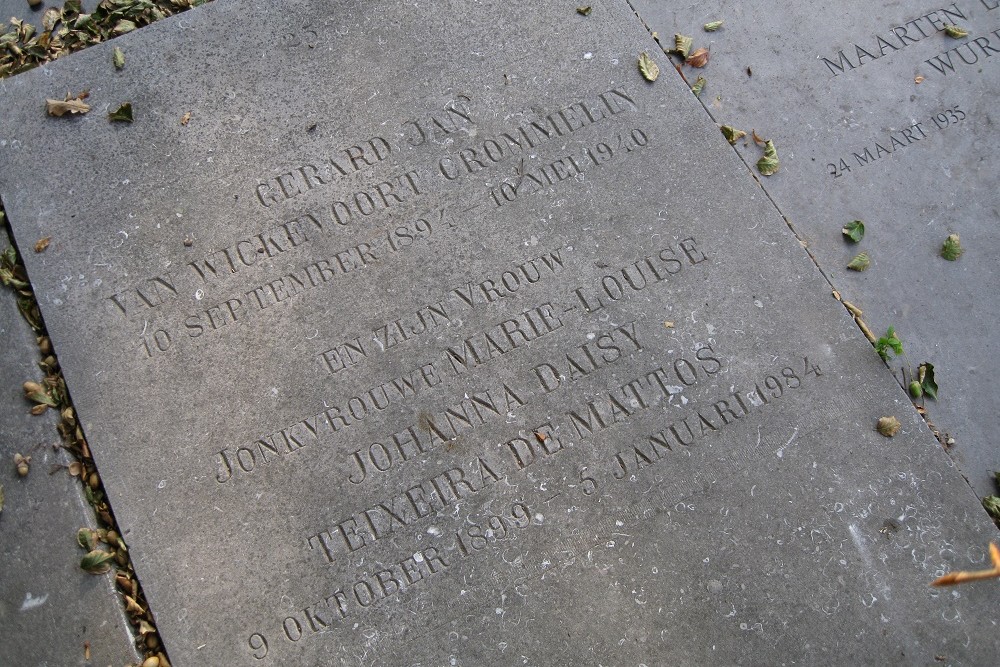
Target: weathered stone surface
[
  {"x": 391, "y": 273},
  {"x": 49, "y": 608},
  {"x": 879, "y": 115}
]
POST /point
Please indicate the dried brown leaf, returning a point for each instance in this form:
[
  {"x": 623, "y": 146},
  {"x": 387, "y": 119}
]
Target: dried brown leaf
[
  {"x": 698, "y": 57},
  {"x": 63, "y": 107},
  {"x": 43, "y": 244}
]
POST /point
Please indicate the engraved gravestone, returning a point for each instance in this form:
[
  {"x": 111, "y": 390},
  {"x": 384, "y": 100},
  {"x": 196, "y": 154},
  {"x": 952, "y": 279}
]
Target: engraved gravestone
[
  {"x": 879, "y": 115},
  {"x": 422, "y": 335}
]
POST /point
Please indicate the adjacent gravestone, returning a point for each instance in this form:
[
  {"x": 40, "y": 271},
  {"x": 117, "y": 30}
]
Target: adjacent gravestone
[
  {"x": 51, "y": 612},
  {"x": 879, "y": 114},
  {"x": 409, "y": 335}
]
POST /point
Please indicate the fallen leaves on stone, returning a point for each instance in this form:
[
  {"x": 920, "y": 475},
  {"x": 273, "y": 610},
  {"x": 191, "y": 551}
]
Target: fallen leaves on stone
[
  {"x": 118, "y": 58},
  {"x": 925, "y": 379},
  {"x": 861, "y": 262},
  {"x": 768, "y": 165},
  {"x": 97, "y": 561},
  {"x": 186, "y": 118},
  {"x": 71, "y": 105},
  {"x": 952, "y": 248},
  {"x": 698, "y": 86},
  {"x": 731, "y": 134},
  {"x": 122, "y": 114},
  {"x": 698, "y": 57},
  {"x": 992, "y": 506},
  {"x": 42, "y": 244},
  {"x": 955, "y": 32},
  {"x": 585, "y": 10},
  {"x": 712, "y": 26},
  {"x": 963, "y": 576},
  {"x": 682, "y": 45},
  {"x": 890, "y": 342},
  {"x": 854, "y": 231},
  {"x": 650, "y": 70},
  {"x": 69, "y": 29}
]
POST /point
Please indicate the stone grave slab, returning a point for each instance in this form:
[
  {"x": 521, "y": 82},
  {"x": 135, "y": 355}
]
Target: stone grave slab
[
  {"x": 880, "y": 116},
  {"x": 418, "y": 336},
  {"x": 50, "y": 610}
]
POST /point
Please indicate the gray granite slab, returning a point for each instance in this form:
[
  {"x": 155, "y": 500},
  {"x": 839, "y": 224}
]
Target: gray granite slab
[
  {"x": 502, "y": 357},
  {"x": 879, "y": 115},
  {"x": 50, "y": 610}
]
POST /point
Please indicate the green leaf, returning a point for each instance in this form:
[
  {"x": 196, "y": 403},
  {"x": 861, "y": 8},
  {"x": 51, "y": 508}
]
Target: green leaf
[
  {"x": 650, "y": 70},
  {"x": 732, "y": 134},
  {"x": 118, "y": 58},
  {"x": 42, "y": 397},
  {"x": 889, "y": 342},
  {"x": 86, "y": 538},
  {"x": 698, "y": 86},
  {"x": 925, "y": 375},
  {"x": 712, "y": 26},
  {"x": 955, "y": 32},
  {"x": 124, "y": 26},
  {"x": 768, "y": 164},
  {"x": 861, "y": 262},
  {"x": 122, "y": 114},
  {"x": 916, "y": 391},
  {"x": 682, "y": 45},
  {"x": 585, "y": 10},
  {"x": 952, "y": 248},
  {"x": 97, "y": 562},
  {"x": 992, "y": 506},
  {"x": 854, "y": 231}
]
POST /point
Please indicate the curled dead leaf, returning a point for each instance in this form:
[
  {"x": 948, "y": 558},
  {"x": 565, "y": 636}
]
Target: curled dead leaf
[
  {"x": 131, "y": 606},
  {"x": 43, "y": 244},
  {"x": 186, "y": 118},
  {"x": 650, "y": 70},
  {"x": 682, "y": 45},
  {"x": 769, "y": 164},
  {"x": 955, "y": 32},
  {"x": 731, "y": 134},
  {"x": 67, "y": 106}
]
